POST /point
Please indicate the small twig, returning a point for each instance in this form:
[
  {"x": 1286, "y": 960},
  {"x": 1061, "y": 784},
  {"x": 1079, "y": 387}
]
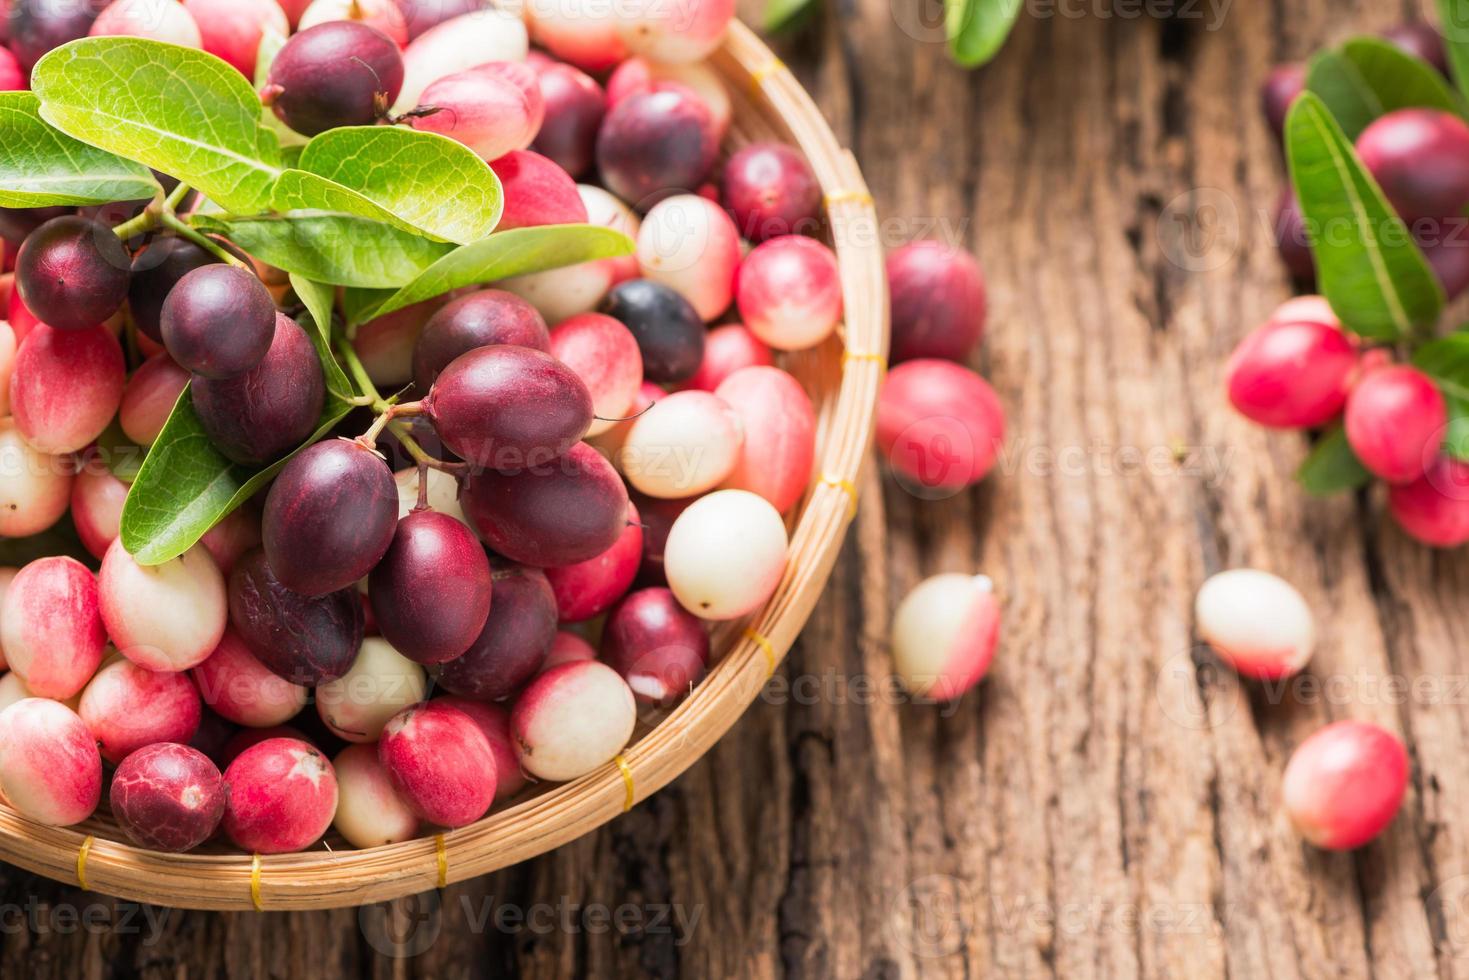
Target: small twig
[{"x": 183, "y": 228}]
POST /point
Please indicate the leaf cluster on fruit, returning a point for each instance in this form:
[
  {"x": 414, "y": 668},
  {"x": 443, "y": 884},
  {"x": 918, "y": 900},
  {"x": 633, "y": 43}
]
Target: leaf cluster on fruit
[
  {"x": 391, "y": 216},
  {"x": 1370, "y": 269}
]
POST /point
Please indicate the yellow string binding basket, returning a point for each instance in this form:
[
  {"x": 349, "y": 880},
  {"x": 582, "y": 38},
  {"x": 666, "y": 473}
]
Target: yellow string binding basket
[{"x": 842, "y": 377}]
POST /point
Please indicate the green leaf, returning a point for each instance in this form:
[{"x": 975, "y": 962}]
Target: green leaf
[
  {"x": 1368, "y": 77},
  {"x": 1446, "y": 361},
  {"x": 1332, "y": 466},
  {"x": 186, "y": 487},
  {"x": 341, "y": 249},
  {"x": 175, "y": 109},
  {"x": 1368, "y": 266},
  {"x": 357, "y": 302},
  {"x": 779, "y": 15},
  {"x": 977, "y": 28},
  {"x": 508, "y": 253},
  {"x": 1453, "y": 20},
  {"x": 41, "y": 166},
  {"x": 319, "y": 298},
  {"x": 420, "y": 182}
]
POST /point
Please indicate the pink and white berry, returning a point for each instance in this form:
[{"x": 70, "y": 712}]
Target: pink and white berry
[
  {"x": 1396, "y": 420},
  {"x": 126, "y": 707},
  {"x": 493, "y": 108},
  {"x": 50, "y": 770},
  {"x": 604, "y": 354},
  {"x": 384, "y": 15},
  {"x": 149, "y": 397},
  {"x": 725, "y": 554},
  {"x": 35, "y": 487},
  {"x": 944, "y": 635},
  {"x": 7, "y": 575},
  {"x": 282, "y": 796},
  {"x": 13, "y": 689},
  {"x": 243, "y": 690},
  {"x": 8, "y": 345},
  {"x": 1256, "y": 622},
  {"x": 168, "y": 797},
  {"x": 163, "y": 617},
  {"x": 659, "y": 647},
  {"x": 674, "y": 33},
  {"x": 1435, "y": 507},
  {"x": 1344, "y": 784},
  {"x": 609, "y": 211},
  {"x": 159, "y": 20},
  {"x": 440, "y": 762},
  {"x": 682, "y": 446},
  {"x": 96, "y": 506},
  {"x": 51, "y": 626},
  {"x": 232, "y": 29},
  {"x": 789, "y": 292},
  {"x": 582, "y": 32},
  {"x": 369, "y": 811},
  {"x": 779, "y": 424},
  {"x": 567, "y": 648},
  {"x": 1291, "y": 374},
  {"x": 1309, "y": 309},
  {"x": 385, "y": 344},
  {"x": 456, "y": 44},
  {"x": 66, "y": 387},
  {"x": 728, "y": 348},
  {"x": 380, "y": 684},
  {"x": 939, "y": 425},
  {"x": 572, "y": 719},
  {"x": 494, "y": 722},
  {"x": 690, "y": 244}
]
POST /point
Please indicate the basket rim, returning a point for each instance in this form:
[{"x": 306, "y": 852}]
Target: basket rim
[{"x": 320, "y": 879}]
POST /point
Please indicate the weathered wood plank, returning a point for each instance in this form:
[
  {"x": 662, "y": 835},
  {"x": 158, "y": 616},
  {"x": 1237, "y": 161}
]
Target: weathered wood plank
[{"x": 1106, "y": 804}]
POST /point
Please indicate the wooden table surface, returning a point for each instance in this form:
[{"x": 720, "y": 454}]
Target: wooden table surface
[{"x": 1106, "y": 804}]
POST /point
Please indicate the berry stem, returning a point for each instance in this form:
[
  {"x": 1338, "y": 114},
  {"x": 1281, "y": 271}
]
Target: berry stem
[
  {"x": 359, "y": 374},
  {"x": 141, "y": 224},
  {"x": 182, "y": 227},
  {"x": 419, "y": 454}
]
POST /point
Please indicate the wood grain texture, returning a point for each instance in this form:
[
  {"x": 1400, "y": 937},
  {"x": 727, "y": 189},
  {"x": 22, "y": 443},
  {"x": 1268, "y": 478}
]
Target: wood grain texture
[{"x": 1106, "y": 804}]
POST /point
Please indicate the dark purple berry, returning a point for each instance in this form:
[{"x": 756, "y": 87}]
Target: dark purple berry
[
  {"x": 516, "y": 638},
  {"x": 431, "y": 592},
  {"x": 489, "y": 316},
  {"x": 218, "y": 321},
  {"x": 341, "y": 73},
  {"x": 259, "y": 416},
  {"x": 669, "y": 331},
  {"x": 656, "y": 144},
  {"x": 72, "y": 273},
  {"x": 329, "y": 517},
  {"x": 303, "y": 639}
]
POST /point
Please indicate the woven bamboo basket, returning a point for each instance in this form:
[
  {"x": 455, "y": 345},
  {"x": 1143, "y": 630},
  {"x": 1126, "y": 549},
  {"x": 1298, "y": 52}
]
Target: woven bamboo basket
[{"x": 842, "y": 377}]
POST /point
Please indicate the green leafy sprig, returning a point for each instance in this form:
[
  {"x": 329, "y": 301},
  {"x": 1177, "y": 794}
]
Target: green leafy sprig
[
  {"x": 1368, "y": 265},
  {"x": 382, "y": 215}
]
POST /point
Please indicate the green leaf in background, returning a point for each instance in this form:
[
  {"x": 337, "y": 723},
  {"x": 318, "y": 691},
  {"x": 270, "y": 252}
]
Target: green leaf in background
[
  {"x": 977, "y": 28},
  {"x": 508, "y": 253},
  {"x": 1368, "y": 77},
  {"x": 420, "y": 182},
  {"x": 41, "y": 166},
  {"x": 175, "y": 109},
  {"x": 319, "y": 298},
  {"x": 1453, "y": 24},
  {"x": 1368, "y": 266},
  {"x": 779, "y": 15},
  {"x": 122, "y": 456},
  {"x": 186, "y": 487},
  {"x": 342, "y": 249},
  {"x": 1332, "y": 466},
  {"x": 1446, "y": 361},
  {"x": 357, "y": 303}
]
